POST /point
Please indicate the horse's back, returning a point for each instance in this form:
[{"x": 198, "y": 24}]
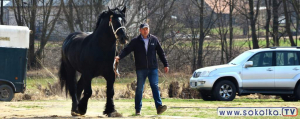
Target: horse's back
[
  {"x": 72, "y": 46},
  {"x": 75, "y": 37}
]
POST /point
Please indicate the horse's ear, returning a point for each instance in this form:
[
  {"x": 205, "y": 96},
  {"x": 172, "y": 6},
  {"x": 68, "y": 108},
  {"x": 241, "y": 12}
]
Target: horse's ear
[
  {"x": 109, "y": 10},
  {"x": 124, "y": 10}
]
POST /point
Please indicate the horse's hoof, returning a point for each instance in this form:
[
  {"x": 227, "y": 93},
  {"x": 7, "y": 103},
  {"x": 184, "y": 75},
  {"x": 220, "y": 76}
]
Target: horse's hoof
[
  {"x": 115, "y": 114},
  {"x": 75, "y": 114},
  {"x": 81, "y": 112},
  {"x": 81, "y": 109}
]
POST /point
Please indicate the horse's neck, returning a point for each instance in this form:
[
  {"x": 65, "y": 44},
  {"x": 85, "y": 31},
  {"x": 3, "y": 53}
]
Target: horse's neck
[{"x": 102, "y": 38}]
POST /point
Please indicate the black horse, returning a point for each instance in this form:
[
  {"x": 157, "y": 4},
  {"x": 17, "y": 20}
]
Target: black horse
[{"x": 92, "y": 55}]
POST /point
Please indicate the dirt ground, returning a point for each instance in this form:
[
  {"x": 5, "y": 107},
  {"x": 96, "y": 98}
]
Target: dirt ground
[
  {"x": 177, "y": 108},
  {"x": 61, "y": 109}
]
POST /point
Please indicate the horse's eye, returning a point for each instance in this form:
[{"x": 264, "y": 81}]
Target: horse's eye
[{"x": 120, "y": 19}]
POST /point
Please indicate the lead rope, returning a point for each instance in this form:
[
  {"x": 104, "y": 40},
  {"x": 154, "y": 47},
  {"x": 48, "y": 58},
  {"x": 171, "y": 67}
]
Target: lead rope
[
  {"x": 115, "y": 65},
  {"x": 112, "y": 27}
]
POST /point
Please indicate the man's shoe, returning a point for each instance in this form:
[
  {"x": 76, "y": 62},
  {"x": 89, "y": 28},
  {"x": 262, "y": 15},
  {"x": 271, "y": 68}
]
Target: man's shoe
[
  {"x": 137, "y": 113},
  {"x": 161, "y": 109}
]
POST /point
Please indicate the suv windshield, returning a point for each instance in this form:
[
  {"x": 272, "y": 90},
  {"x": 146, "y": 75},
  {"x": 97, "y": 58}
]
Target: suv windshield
[{"x": 240, "y": 58}]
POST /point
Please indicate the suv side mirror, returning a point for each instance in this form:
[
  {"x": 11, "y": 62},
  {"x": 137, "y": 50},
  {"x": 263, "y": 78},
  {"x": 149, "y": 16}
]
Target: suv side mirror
[{"x": 248, "y": 64}]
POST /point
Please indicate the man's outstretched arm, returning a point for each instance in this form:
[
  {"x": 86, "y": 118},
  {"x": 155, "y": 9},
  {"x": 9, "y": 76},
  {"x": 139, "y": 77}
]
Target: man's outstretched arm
[{"x": 125, "y": 51}]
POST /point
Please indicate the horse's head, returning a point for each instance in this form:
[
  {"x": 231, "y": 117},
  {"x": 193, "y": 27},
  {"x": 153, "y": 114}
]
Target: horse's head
[{"x": 117, "y": 24}]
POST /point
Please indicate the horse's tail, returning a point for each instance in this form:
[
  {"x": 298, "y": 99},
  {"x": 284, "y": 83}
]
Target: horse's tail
[{"x": 67, "y": 76}]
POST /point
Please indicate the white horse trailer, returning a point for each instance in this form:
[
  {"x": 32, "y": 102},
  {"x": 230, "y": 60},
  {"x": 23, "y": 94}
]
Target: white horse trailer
[{"x": 14, "y": 43}]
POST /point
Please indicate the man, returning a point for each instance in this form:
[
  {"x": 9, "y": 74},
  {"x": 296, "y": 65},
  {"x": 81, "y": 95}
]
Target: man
[{"x": 145, "y": 47}]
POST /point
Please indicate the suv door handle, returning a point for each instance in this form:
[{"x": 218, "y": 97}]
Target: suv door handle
[
  {"x": 269, "y": 69},
  {"x": 296, "y": 69}
]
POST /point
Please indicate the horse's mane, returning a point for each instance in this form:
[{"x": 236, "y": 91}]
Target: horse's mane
[{"x": 104, "y": 14}]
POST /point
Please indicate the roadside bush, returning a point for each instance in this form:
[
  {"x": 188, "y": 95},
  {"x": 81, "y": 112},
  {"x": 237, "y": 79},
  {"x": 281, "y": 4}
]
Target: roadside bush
[
  {"x": 174, "y": 89},
  {"x": 188, "y": 93},
  {"x": 130, "y": 90}
]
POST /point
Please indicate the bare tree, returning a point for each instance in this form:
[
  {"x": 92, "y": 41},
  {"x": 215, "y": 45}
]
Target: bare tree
[
  {"x": 202, "y": 34},
  {"x": 28, "y": 18},
  {"x": 1, "y": 16},
  {"x": 190, "y": 16},
  {"x": 86, "y": 13},
  {"x": 68, "y": 13},
  {"x": 288, "y": 23},
  {"x": 296, "y": 6},
  {"x": 97, "y": 4},
  {"x": 222, "y": 24},
  {"x": 275, "y": 6},
  {"x": 267, "y": 27},
  {"x": 204, "y": 29},
  {"x": 27, "y": 13},
  {"x": 147, "y": 11},
  {"x": 32, "y": 20},
  {"x": 17, "y": 4},
  {"x": 80, "y": 11},
  {"x": 253, "y": 19},
  {"x": 231, "y": 8},
  {"x": 165, "y": 10},
  {"x": 246, "y": 9},
  {"x": 47, "y": 26}
]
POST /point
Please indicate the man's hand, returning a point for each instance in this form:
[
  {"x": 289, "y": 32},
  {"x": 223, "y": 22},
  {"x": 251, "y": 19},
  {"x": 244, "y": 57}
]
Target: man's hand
[
  {"x": 166, "y": 69},
  {"x": 117, "y": 58}
]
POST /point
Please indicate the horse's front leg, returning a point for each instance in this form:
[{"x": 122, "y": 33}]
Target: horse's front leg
[{"x": 110, "y": 107}]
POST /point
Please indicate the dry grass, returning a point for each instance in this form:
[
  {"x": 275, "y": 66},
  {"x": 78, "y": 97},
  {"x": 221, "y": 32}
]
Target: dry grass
[{"x": 43, "y": 85}]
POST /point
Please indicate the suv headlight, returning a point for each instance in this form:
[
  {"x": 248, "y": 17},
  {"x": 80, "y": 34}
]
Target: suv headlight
[
  {"x": 196, "y": 74},
  {"x": 201, "y": 74},
  {"x": 205, "y": 73}
]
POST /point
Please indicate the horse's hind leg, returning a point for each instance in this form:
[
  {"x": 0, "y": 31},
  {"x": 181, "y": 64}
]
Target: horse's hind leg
[
  {"x": 67, "y": 77},
  {"x": 79, "y": 88},
  {"x": 72, "y": 82},
  {"x": 86, "y": 82}
]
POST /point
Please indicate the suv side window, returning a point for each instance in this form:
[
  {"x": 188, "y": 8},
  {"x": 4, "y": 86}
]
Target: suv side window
[
  {"x": 287, "y": 58},
  {"x": 262, "y": 59},
  {"x": 298, "y": 53}
]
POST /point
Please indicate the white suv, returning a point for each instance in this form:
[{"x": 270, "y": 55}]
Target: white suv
[{"x": 270, "y": 71}]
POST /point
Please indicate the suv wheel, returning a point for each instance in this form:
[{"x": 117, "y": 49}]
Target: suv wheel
[
  {"x": 6, "y": 93},
  {"x": 206, "y": 96},
  {"x": 289, "y": 98},
  {"x": 297, "y": 92},
  {"x": 224, "y": 91}
]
